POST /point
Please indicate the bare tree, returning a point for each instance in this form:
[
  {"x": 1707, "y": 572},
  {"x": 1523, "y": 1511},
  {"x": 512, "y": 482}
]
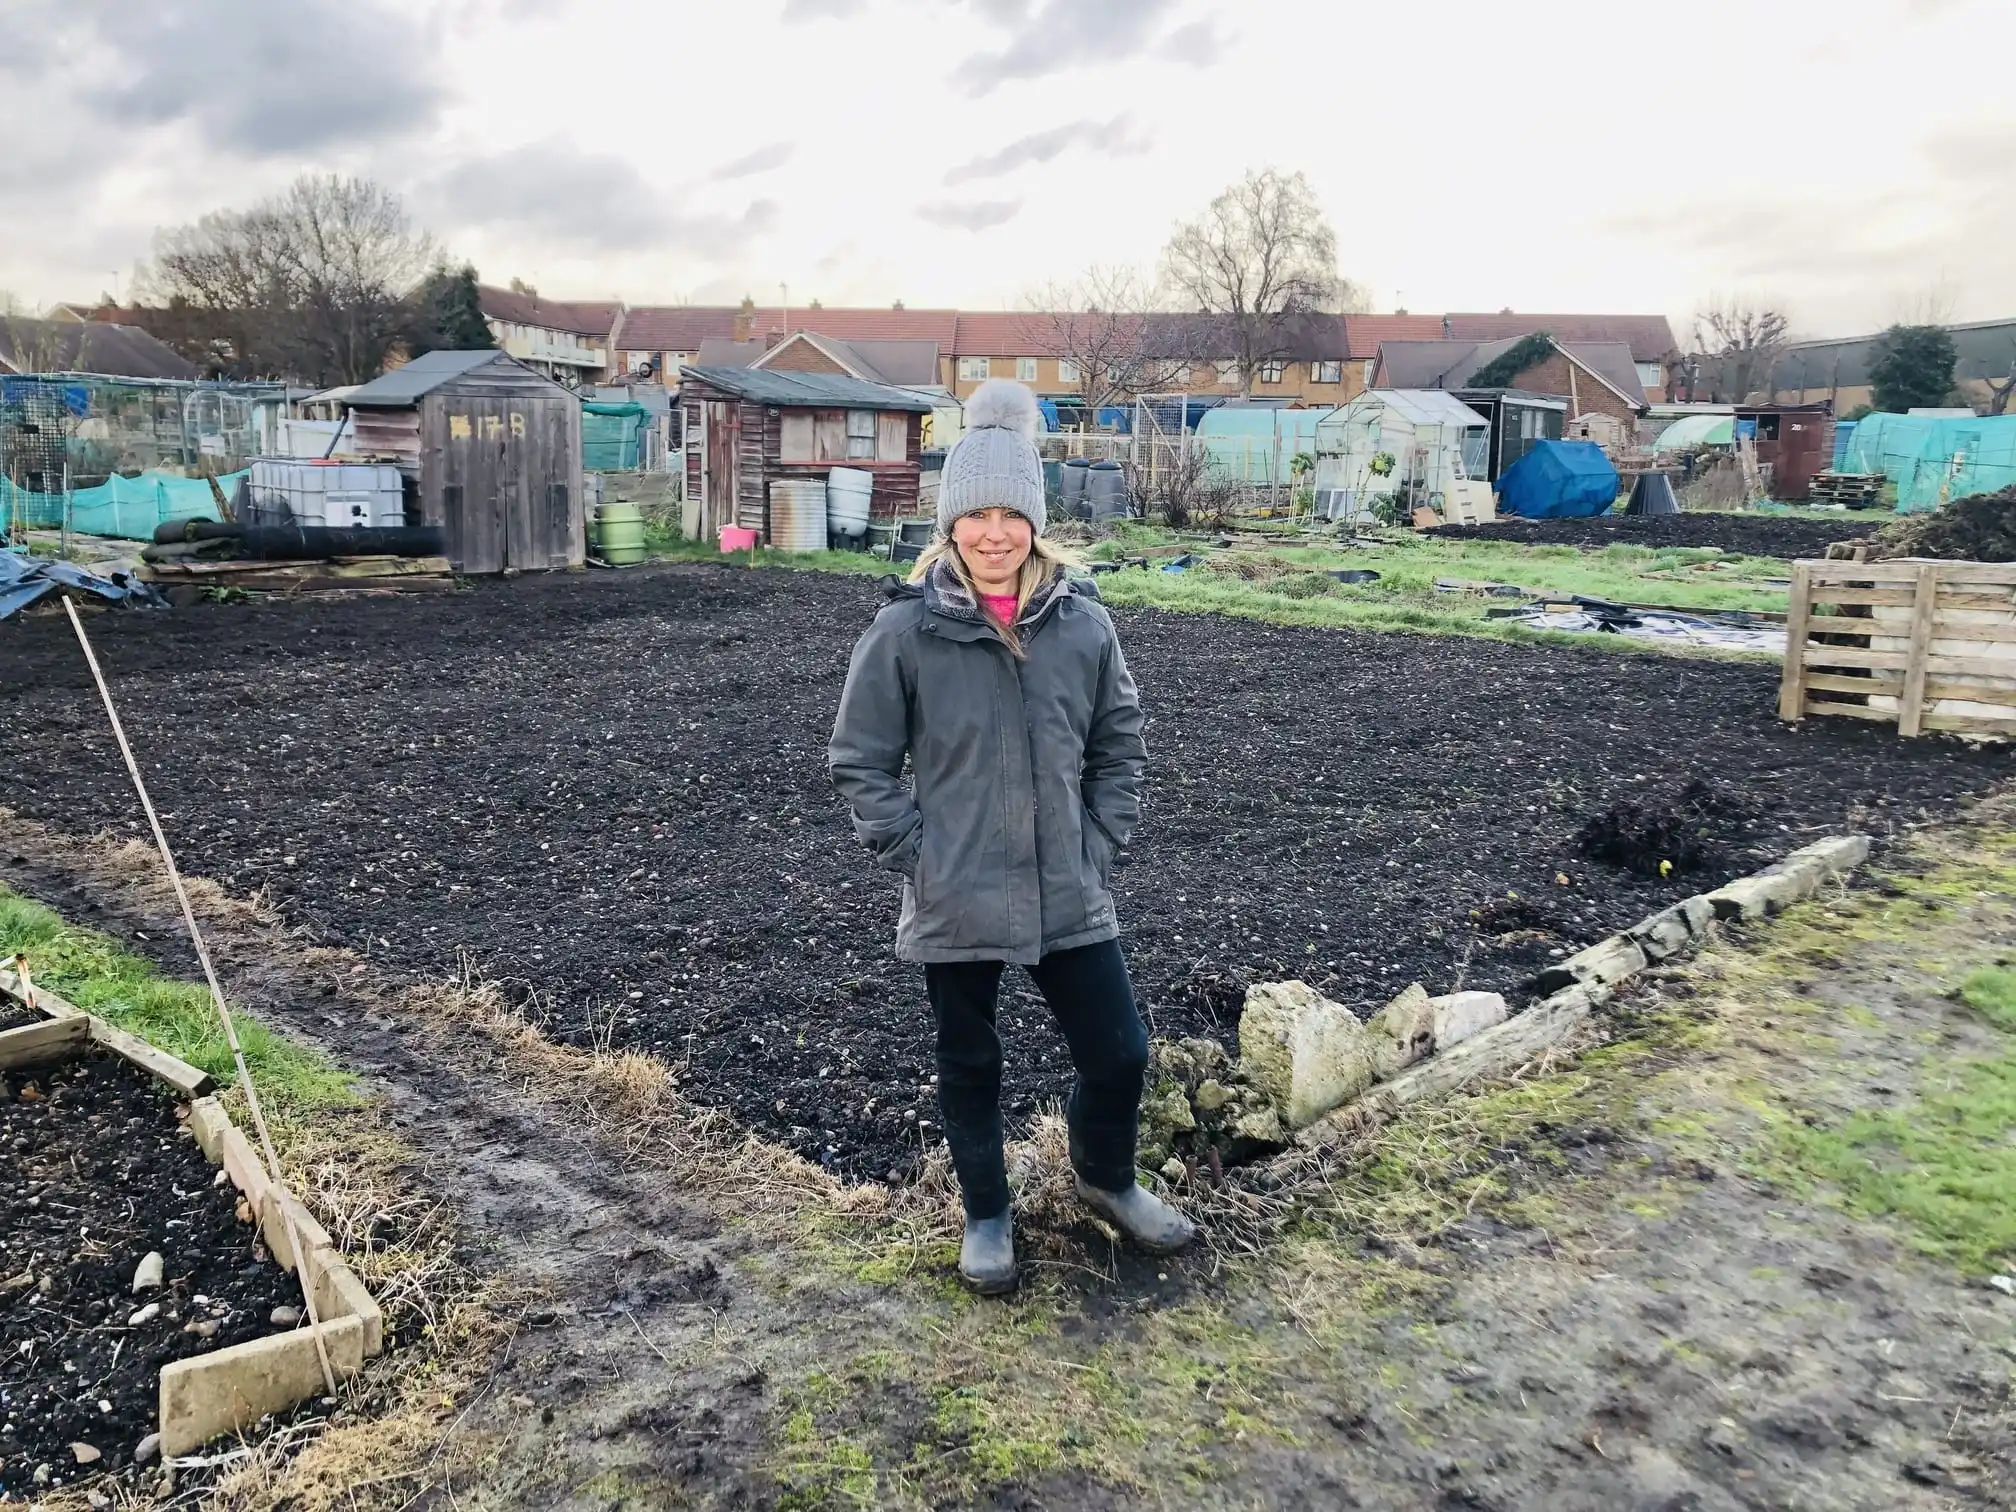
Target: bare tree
[
  {"x": 1260, "y": 257},
  {"x": 1741, "y": 342},
  {"x": 312, "y": 285},
  {"x": 1104, "y": 324}
]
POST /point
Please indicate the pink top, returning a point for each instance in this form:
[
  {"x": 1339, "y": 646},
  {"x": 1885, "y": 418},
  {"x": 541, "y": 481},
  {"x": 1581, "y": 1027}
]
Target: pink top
[{"x": 1001, "y": 605}]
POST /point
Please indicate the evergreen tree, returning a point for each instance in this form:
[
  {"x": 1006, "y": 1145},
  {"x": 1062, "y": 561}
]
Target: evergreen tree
[
  {"x": 1912, "y": 368},
  {"x": 448, "y": 314}
]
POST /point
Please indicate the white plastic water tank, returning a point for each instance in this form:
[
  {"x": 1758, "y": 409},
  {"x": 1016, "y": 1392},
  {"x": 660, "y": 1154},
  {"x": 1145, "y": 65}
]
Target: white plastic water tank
[
  {"x": 327, "y": 493},
  {"x": 848, "y": 493},
  {"x": 798, "y": 514}
]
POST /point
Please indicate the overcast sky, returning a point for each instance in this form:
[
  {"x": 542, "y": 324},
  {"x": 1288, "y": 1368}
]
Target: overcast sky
[{"x": 1848, "y": 159}]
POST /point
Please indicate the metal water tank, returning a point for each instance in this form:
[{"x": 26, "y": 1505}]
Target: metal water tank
[
  {"x": 1071, "y": 488},
  {"x": 798, "y": 514},
  {"x": 1106, "y": 491},
  {"x": 848, "y": 493}
]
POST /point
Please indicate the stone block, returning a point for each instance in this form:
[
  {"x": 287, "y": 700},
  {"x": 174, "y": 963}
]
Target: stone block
[
  {"x": 1401, "y": 1033},
  {"x": 208, "y": 1121},
  {"x": 1304, "y": 1052},
  {"x": 247, "y": 1171},
  {"x": 273, "y": 1214},
  {"x": 1603, "y": 964},
  {"x": 1673, "y": 930},
  {"x": 214, "y": 1394},
  {"x": 1461, "y": 1015}
]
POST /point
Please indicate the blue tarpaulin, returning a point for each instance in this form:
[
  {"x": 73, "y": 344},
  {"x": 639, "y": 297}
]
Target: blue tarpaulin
[
  {"x": 1558, "y": 478},
  {"x": 24, "y": 579}
]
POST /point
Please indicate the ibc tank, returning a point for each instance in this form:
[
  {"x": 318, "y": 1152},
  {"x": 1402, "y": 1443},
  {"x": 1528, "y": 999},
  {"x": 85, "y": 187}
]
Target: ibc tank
[
  {"x": 798, "y": 514},
  {"x": 1106, "y": 491},
  {"x": 1072, "y": 488},
  {"x": 848, "y": 492}
]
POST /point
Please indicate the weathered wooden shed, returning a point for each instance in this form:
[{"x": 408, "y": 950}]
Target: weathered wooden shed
[
  {"x": 1794, "y": 441},
  {"x": 492, "y": 451},
  {"x": 746, "y": 428}
]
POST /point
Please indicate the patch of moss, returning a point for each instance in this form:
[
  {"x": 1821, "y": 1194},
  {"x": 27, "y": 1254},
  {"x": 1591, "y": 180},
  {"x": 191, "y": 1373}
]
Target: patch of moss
[{"x": 1991, "y": 992}]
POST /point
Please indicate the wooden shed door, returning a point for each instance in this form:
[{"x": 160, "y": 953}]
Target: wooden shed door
[
  {"x": 472, "y": 503},
  {"x": 722, "y": 480}
]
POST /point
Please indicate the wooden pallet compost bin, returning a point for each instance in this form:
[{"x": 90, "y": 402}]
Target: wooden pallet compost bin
[
  {"x": 228, "y": 1390},
  {"x": 1922, "y": 644}
]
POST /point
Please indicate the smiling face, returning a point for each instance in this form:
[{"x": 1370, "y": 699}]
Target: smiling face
[{"x": 994, "y": 543}]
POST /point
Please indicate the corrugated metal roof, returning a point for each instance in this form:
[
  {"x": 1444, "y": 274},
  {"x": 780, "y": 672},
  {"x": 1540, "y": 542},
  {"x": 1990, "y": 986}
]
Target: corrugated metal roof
[
  {"x": 425, "y": 373},
  {"x": 806, "y": 390}
]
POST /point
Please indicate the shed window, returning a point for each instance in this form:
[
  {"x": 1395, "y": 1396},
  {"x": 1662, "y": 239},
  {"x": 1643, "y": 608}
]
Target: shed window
[
  {"x": 1270, "y": 372},
  {"x": 861, "y": 435},
  {"x": 829, "y": 436},
  {"x": 972, "y": 367},
  {"x": 1025, "y": 369},
  {"x": 794, "y": 437},
  {"x": 1327, "y": 372},
  {"x": 892, "y": 437}
]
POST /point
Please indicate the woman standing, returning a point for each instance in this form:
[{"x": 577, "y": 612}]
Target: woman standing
[{"x": 1001, "y": 680}]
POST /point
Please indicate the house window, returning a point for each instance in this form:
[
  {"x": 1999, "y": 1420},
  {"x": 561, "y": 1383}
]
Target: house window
[
  {"x": 1651, "y": 375},
  {"x": 1228, "y": 373},
  {"x": 1326, "y": 372},
  {"x": 1067, "y": 370},
  {"x": 1025, "y": 369},
  {"x": 971, "y": 368},
  {"x": 861, "y": 435},
  {"x": 1270, "y": 372}
]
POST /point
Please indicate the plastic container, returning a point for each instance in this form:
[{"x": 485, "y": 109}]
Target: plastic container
[
  {"x": 1071, "y": 487},
  {"x": 798, "y": 514},
  {"x": 289, "y": 491},
  {"x": 738, "y": 538},
  {"x": 1106, "y": 491},
  {"x": 849, "y": 491},
  {"x": 621, "y": 534}
]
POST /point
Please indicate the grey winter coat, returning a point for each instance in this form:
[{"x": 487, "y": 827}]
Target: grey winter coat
[{"x": 1025, "y": 774}]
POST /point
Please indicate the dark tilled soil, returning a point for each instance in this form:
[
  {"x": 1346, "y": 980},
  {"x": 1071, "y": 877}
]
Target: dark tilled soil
[
  {"x": 610, "y": 793},
  {"x": 1751, "y": 535},
  {"x": 98, "y": 1175}
]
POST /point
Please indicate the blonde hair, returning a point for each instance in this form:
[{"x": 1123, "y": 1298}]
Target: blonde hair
[{"x": 1046, "y": 560}]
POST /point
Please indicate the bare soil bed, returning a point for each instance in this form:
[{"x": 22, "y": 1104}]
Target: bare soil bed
[
  {"x": 98, "y": 1176},
  {"x": 609, "y": 793},
  {"x": 1750, "y": 535}
]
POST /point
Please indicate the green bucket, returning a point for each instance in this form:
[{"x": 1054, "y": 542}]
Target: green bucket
[{"x": 620, "y": 533}]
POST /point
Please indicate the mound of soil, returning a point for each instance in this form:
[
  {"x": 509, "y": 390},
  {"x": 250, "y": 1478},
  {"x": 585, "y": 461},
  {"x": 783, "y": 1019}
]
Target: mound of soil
[
  {"x": 99, "y": 1175},
  {"x": 609, "y": 792},
  {"x": 1979, "y": 528},
  {"x": 1750, "y": 534},
  {"x": 1696, "y": 830}
]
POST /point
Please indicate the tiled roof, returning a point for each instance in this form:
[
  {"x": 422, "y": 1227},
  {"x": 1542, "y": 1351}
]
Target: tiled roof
[
  {"x": 1367, "y": 331},
  {"x": 855, "y": 324},
  {"x": 116, "y": 351},
  {"x": 580, "y": 317},
  {"x": 1649, "y": 337},
  {"x": 674, "y": 328},
  {"x": 1454, "y": 364}
]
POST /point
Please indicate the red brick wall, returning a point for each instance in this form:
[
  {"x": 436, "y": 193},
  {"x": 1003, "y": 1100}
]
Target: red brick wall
[
  {"x": 803, "y": 357},
  {"x": 1588, "y": 393}
]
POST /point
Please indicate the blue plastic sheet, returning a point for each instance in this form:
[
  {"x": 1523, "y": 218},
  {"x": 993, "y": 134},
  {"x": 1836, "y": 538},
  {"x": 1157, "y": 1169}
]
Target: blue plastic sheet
[
  {"x": 1557, "y": 480},
  {"x": 24, "y": 579}
]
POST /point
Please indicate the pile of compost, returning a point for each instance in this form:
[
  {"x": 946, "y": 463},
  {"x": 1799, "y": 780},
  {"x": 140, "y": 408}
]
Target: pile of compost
[
  {"x": 1786, "y": 536},
  {"x": 609, "y": 794},
  {"x": 1978, "y": 528}
]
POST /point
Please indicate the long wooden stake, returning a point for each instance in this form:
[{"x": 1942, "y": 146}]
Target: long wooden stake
[{"x": 272, "y": 1157}]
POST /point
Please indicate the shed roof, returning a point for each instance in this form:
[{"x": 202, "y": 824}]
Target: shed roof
[
  {"x": 1649, "y": 337},
  {"x": 1452, "y": 364},
  {"x": 806, "y": 390},
  {"x": 425, "y": 373}
]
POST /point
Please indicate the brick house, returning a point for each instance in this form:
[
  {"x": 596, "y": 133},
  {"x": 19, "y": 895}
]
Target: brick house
[
  {"x": 1595, "y": 377},
  {"x": 565, "y": 339}
]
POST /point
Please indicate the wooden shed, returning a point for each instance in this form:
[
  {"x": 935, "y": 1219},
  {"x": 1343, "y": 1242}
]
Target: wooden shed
[
  {"x": 746, "y": 428},
  {"x": 491, "y": 451},
  {"x": 1794, "y": 441}
]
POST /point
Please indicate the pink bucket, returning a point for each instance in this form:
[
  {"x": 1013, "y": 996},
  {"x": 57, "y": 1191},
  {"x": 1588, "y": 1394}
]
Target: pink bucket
[{"x": 737, "y": 538}]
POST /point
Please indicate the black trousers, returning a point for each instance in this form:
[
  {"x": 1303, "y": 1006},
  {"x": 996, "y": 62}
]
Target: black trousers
[{"x": 1092, "y": 999}]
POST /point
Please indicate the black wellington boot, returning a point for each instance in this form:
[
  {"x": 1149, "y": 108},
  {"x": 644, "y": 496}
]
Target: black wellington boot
[{"x": 987, "y": 1254}]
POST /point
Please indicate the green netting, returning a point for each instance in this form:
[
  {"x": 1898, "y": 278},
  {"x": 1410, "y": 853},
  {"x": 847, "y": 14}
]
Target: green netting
[
  {"x": 610, "y": 436},
  {"x": 1924, "y": 456},
  {"x": 126, "y": 508}
]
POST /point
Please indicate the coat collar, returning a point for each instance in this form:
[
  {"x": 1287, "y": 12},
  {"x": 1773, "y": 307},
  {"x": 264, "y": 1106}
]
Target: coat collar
[{"x": 951, "y": 611}]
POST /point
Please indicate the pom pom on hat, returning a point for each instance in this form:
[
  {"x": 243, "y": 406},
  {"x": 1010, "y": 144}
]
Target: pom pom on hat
[{"x": 1004, "y": 404}]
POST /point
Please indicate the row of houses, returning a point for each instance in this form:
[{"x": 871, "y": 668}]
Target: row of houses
[{"x": 1323, "y": 359}]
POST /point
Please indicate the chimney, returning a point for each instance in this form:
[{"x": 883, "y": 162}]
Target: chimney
[
  {"x": 1445, "y": 327},
  {"x": 897, "y": 306},
  {"x": 745, "y": 318}
]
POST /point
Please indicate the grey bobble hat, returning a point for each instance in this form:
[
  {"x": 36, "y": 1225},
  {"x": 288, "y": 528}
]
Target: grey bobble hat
[{"x": 995, "y": 464}]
